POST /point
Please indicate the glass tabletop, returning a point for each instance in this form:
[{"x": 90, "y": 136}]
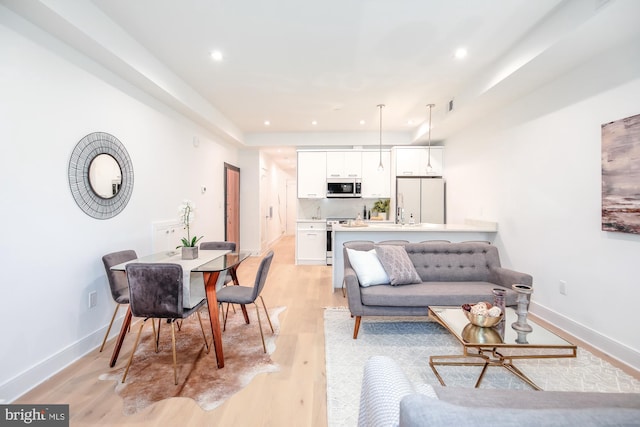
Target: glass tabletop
[
  {"x": 501, "y": 335},
  {"x": 224, "y": 262},
  {"x": 208, "y": 261}
]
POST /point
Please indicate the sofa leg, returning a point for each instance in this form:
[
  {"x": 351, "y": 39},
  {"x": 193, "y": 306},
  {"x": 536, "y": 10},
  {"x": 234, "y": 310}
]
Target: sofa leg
[{"x": 356, "y": 328}]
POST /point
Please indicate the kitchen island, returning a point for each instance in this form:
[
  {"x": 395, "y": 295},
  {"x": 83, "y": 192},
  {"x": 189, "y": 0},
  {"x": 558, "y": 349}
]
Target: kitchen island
[{"x": 470, "y": 230}]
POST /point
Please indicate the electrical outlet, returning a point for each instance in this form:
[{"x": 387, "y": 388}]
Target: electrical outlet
[
  {"x": 93, "y": 299},
  {"x": 562, "y": 287}
]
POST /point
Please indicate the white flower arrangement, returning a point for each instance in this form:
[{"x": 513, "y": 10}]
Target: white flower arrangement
[{"x": 186, "y": 213}]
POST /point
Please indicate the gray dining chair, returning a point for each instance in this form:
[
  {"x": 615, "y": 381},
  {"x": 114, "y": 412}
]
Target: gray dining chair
[
  {"x": 249, "y": 294},
  {"x": 117, "y": 282},
  {"x": 155, "y": 292},
  {"x": 229, "y": 246},
  {"x": 221, "y": 245}
]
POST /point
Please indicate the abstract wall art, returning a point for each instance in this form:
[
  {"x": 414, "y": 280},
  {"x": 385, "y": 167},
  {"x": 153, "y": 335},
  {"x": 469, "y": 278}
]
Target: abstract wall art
[{"x": 621, "y": 175}]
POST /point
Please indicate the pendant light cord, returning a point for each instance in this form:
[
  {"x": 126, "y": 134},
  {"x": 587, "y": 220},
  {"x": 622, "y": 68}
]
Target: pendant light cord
[
  {"x": 429, "y": 159},
  {"x": 380, "y": 165}
]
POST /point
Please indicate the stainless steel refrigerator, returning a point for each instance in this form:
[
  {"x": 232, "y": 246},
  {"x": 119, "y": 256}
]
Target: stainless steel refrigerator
[{"x": 422, "y": 197}]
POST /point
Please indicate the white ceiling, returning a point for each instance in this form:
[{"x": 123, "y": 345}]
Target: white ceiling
[{"x": 294, "y": 61}]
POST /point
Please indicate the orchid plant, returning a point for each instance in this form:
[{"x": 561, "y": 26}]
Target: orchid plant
[{"x": 186, "y": 214}]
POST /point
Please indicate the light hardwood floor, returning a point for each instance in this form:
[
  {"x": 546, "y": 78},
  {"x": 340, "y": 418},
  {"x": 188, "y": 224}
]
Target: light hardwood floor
[{"x": 296, "y": 395}]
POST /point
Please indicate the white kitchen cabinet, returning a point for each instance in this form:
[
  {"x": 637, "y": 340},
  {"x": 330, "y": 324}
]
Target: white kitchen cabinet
[
  {"x": 311, "y": 243},
  {"x": 412, "y": 161},
  {"x": 166, "y": 235},
  {"x": 312, "y": 180},
  {"x": 344, "y": 164},
  {"x": 375, "y": 183}
]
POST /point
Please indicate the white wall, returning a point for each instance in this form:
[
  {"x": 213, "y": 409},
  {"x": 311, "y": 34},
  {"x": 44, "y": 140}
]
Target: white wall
[
  {"x": 273, "y": 190},
  {"x": 262, "y": 185},
  {"x": 51, "y": 257},
  {"x": 249, "y": 163},
  {"x": 534, "y": 167}
]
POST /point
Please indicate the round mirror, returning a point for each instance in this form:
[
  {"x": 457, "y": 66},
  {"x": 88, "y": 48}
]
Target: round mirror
[
  {"x": 100, "y": 175},
  {"x": 105, "y": 176}
]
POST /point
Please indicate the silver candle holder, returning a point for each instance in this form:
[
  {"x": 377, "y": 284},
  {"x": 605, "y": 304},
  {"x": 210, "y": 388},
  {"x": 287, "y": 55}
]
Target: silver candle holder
[{"x": 522, "y": 301}]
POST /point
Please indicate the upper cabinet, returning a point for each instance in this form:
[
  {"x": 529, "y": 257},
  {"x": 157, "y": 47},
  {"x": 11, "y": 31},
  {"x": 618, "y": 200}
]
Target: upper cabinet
[
  {"x": 413, "y": 161},
  {"x": 344, "y": 164},
  {"x": 312, "y": 180},
  {"x": 376, "y": 183}
]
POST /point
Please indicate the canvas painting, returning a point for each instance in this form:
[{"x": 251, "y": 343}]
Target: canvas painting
[{"x": 621, "y": 175}]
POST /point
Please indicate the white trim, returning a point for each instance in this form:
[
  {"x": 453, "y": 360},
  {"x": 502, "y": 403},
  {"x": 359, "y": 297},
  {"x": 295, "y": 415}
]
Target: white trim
[
  {"x": 622, "y": 353},
  {"x": 41, "y": 372}
]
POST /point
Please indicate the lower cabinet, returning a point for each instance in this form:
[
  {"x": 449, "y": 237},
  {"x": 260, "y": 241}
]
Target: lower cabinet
[{"x": 311, "y": 243}]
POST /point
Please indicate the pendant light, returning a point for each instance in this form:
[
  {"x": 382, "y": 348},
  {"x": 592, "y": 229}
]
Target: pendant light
[
  {"x": 429, "y": 167},
  {"x": 380, "y": 165}
]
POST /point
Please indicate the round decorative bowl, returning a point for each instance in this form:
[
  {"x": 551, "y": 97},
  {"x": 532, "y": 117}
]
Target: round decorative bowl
[
  {"x": 482, "y": 321},
  {"x": 477, "y": 335}
]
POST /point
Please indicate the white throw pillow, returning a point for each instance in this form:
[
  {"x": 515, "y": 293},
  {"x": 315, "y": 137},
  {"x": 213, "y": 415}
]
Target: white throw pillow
[{"x": 367, "y": 267}]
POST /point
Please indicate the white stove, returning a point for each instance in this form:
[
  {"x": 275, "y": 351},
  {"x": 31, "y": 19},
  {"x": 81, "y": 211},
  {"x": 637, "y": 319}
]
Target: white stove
[{"x": 330, "y": 223}]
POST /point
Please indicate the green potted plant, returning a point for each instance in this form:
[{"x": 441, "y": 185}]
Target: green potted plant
[
  {"x": 187, "y": 215},
  {"x": 382, "y": 206}
]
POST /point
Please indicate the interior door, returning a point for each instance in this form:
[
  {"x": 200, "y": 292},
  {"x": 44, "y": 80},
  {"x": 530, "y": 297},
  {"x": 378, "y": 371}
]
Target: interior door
[{"x": 232, "y": 204}]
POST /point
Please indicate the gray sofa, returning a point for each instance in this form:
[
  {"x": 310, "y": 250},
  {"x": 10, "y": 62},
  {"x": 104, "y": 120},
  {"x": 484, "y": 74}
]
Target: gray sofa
[
  {"x": 451, "y": 273},
  {"x": 389, "y": 398}
]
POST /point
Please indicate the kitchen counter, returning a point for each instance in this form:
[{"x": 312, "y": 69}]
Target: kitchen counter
[
  {"x": 488, "y": 227},
  {"x": 469, "y": 230}
]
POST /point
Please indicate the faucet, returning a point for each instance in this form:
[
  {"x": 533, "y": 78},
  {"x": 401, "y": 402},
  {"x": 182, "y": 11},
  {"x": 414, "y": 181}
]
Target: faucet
[{"x": 401, "y": 215}]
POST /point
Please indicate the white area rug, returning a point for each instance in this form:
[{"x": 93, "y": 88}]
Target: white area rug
[{"x": 410, "y": 341}]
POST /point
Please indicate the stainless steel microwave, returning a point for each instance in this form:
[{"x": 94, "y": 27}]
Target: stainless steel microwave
[{"x": 344, "y": 187}]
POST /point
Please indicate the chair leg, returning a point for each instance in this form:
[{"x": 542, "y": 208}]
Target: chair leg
[
  {"x": 109, "y": 328},
  {"x": 135, "y": 346},
  {"x": 267, "y": 313},
  {"x": 221, "y": 312},
  {"x": 264, "y": 347},
  {"x": 226, "y": 315},
  {"x": 206, "y": 344},
  {"x": 156, "y": 333},
  {"x": 173, "y": 345}
]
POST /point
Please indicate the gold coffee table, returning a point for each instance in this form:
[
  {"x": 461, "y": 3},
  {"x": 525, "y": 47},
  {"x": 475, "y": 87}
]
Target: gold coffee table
[{"x": 497, "y": 346}]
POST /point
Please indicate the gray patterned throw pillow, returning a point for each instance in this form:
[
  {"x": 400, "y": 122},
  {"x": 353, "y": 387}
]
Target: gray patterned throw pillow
[{"x": 397, "y": 264}]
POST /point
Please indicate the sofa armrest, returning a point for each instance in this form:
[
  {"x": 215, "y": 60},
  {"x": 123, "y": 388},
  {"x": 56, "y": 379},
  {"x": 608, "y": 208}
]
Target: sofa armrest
[
  {"x": 505, "y": 277},
  {"x": 419, "y": 410},
  {"x": 384, "y": 384},
  {"x": 352, "y": 286}
]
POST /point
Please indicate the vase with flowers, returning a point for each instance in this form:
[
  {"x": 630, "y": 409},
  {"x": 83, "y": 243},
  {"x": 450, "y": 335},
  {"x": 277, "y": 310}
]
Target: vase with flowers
[{"x": 186, "y": 214}]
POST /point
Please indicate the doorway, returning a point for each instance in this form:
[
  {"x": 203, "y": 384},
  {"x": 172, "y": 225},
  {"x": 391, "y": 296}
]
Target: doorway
[{"x": 232, "y": 204}]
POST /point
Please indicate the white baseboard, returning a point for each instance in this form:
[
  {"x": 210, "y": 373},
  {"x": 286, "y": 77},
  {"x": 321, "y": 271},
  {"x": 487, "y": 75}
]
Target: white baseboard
[
  {"x": 614, "y": 349},
  {"x": 39, "y": 373}
]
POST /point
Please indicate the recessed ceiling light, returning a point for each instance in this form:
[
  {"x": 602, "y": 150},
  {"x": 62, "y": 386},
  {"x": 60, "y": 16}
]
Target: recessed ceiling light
[
  {"x": 460, "y": 53},
  {"x": 410, "y": 122},
  {"x": 216, "y": 55},
  {"x": 267, "y": 122},
  {"x": 314, "y": 122},
  {"x": 362, "y": 122}
]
